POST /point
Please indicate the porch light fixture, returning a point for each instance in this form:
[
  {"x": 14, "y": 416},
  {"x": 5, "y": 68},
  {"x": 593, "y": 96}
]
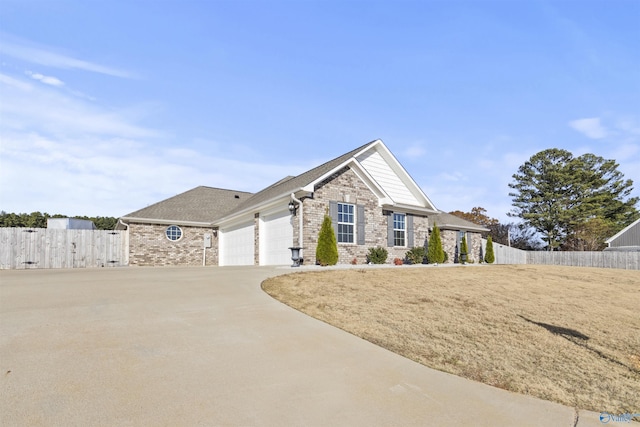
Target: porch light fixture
[{"x": 292, "y": 208}]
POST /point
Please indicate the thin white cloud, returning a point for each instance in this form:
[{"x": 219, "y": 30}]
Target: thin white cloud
[
  {"x": 415, "y": 151},
  {"x": 53, "y": 81},
  {"x": 46, "y": 110},
  {"x": 629, "y": 126},
  {"x": 451, "y": 177},
  {"x": 97, "y": 175},
  {"x": 590, "y": 127},
  {"x": 64, "y": 155},
  {"x": 15, "y": 83},
  {"x": 44, "y": 55}
]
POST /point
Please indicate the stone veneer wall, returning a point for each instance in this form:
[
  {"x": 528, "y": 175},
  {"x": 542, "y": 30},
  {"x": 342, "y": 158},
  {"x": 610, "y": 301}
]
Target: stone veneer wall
[
  {"x": 346, "y": 186},
  {"x": 474, "y": 244},
  {"x": 149, "y": 246}
]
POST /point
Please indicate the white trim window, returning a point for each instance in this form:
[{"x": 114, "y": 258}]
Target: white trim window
[
  {"x": 173, "y": 233},
  {"x": 399, "y": 229},
  {"x": 346, "y": 223}
]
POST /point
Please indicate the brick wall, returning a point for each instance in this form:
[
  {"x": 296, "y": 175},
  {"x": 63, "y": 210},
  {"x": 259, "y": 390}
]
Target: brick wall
[
  {"x": 149, "y": 246},
  {"x": 346, "y": 186}
]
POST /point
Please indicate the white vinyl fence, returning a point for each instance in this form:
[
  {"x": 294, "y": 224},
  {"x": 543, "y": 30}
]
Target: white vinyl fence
[
  {"x": 608, "y": 259},
  {"x": 506, "y": 255},
  {"x": 23, "y": 248}
]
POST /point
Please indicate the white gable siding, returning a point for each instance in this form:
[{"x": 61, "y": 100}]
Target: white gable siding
[{"x": 380, "y": 170}]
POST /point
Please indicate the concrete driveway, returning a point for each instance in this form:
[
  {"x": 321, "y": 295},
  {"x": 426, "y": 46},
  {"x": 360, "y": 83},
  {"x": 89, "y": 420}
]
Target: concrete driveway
[{"x": 206, "y": 347}]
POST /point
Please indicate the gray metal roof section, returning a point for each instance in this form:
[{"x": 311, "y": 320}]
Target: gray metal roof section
[
  {"x": 451, "y": 222},
  {"x": 292, "y": 184},
  {"x": 628, "y": 236},
  {"x": 200, "y": 204}
]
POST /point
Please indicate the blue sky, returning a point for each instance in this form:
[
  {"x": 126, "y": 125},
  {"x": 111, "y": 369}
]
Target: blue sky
[{"x": 109, "y": 106}]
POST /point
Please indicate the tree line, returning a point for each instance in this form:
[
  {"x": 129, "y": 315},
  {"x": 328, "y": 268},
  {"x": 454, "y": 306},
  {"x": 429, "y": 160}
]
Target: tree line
[{"x": 39, "y": 220}]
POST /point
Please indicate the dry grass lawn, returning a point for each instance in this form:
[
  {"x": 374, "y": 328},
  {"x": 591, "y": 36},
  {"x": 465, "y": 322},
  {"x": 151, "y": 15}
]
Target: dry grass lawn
[{"x": 566, "y": 334}]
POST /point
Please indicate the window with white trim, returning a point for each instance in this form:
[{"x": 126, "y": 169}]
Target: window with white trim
[
  {"x": 173, "y": 233},
  {"x": 346, "y": 223},
  {"x": 399, "y": 229}
]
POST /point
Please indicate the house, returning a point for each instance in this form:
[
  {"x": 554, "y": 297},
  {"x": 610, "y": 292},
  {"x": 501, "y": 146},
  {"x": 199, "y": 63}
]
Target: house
[
  {"x": 370, "y": 197},
  {"x": 628, "y": 239}
]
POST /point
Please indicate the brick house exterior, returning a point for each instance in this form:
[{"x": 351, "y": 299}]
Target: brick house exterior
[
  {"x": 370, "y": 197},
  {"x": 149, "y": 246}
]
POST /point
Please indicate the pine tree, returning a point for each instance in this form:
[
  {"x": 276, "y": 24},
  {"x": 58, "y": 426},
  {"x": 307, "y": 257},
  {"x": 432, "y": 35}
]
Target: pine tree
[
  {"x": 327, "y": 249},
  {"x": 555, "y": 193},
  {"x": 489, "y": 258},
  {"x": 435, "y": 253}
]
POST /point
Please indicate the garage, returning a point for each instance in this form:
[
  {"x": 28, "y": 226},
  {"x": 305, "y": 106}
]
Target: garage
[
  {"x": 276, "y": 236},
  {"x": 237, "y": 245}
]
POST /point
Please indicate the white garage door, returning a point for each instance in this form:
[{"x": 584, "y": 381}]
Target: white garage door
[
  {"x": 276, "y": 236},
  {"x": 237, "y": 245}
]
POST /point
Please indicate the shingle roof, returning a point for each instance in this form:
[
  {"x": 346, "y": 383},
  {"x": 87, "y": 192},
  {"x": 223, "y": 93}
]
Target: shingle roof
[
  {"x": 292, "y": 184},
  {"x": 200, "y": 204},
  {"x": 448, "y": 221}
]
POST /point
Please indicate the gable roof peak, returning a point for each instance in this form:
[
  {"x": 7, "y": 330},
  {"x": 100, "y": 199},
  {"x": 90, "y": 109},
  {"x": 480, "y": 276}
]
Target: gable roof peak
[{"x": 292, "y": 184}]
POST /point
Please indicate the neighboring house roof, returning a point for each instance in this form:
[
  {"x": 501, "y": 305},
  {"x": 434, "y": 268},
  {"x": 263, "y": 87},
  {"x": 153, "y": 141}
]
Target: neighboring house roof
[
  {"x": 451, "y": 222},
  {"x": 198, "y": 205},
  {"x": 628, "y": 236}
]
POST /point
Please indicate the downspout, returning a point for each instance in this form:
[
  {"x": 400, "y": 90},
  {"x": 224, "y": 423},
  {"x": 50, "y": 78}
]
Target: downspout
[
  {"x": 300, "y": 221},
  {"x": 204, "y": 255}
]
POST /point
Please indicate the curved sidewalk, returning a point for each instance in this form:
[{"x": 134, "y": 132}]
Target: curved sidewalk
[{"x": 206, "y": 347}]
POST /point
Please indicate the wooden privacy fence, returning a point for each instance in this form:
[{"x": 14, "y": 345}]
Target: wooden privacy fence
[
  {"x": 608, "y": 259},
  {"x": 22, "y": 248},
  {"x": 604, "y": 259}
]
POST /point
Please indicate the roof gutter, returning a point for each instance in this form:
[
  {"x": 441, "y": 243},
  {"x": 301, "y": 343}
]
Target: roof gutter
[
  {"x": 300, "y": 220},
  {"x": 408, "y": 209},
  {"x": 250, "y": 209},
  {"x": 126, "y": 220}
]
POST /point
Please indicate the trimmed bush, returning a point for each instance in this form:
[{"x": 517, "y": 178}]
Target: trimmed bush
[
  {"x": 464, "y": 250},
  {"x": 377, "y": 255},
  {"x": 435, "y": 253},
  {"x": 489, "y": 258},
  {"x": 416, "y": 255},
  {"x": 327, "y": 249}
]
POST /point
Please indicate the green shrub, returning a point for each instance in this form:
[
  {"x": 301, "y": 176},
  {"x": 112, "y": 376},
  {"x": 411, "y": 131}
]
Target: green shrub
[
  {"x": 327, "y": 249},
  {"x": 416, "y": 255},
  {"x": 464, "y": 250},
  {"x": 435, "y": 253},
  {"x": 377, "y": 255},
  {"x": 489, "y": 258}
]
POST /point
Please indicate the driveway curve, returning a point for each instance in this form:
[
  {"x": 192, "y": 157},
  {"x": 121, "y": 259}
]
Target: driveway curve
[{"x": 207, "y": 347}]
